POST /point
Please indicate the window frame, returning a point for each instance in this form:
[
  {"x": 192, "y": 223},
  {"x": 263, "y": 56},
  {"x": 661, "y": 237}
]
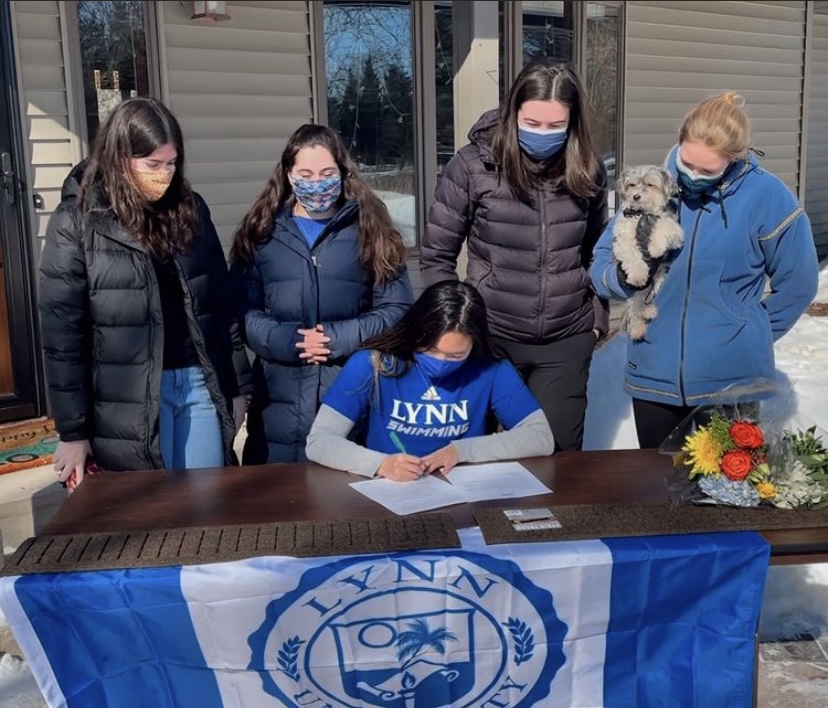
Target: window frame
[
  {"x": 513, "y": 49},
  {"x": 78, "y": 98},
  {"x": 423, "y": 58}
]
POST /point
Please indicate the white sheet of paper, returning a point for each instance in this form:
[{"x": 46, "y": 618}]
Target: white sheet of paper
[
  {"x": 468, "y": 483},
  {"x": 410, "y": 497},
  {"x": 495, "y": 480}
]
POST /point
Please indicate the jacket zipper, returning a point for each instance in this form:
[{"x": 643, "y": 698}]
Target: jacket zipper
[
  {"x": 318, "y": 315},
  {"x": 153, "y": 283},
  {"x": 542, "y": 268},
  {"x": 210, "y": 376},
  {"x": 686, "y": 301}
]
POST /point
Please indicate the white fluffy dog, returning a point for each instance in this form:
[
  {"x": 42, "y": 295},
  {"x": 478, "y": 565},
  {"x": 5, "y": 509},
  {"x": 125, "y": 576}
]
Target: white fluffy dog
[{"x": 646, "y": 229}]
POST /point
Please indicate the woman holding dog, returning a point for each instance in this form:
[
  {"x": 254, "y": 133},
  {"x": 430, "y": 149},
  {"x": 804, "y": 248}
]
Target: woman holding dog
[
  {"x": 528, "y": 196},
  {"x": 714, "y": 327}
]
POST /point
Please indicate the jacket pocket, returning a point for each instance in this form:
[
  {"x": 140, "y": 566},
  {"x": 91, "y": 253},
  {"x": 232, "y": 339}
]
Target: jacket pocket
[
  {"x": 478, "y": 273},
  {"x": 725, "y": 341},
  {"x": 712, "y": 310}
]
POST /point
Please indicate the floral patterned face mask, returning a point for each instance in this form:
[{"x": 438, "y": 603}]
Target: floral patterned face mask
[{"x": 317, "y": 195}]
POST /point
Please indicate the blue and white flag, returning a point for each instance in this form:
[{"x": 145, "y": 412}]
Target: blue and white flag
[{"x": 638, "y": 622}]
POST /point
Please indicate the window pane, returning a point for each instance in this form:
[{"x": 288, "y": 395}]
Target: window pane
[
  {"x": 502, "y": 42},
  {"x": 368, "y": 59},
  {"x": 444, "y": 51},
  {"x": 113, "y": 43},
  {"x": 602, "y": 76},
  {"x": 547, "y": 31}
]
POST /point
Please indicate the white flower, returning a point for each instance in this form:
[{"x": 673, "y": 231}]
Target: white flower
[{"x": 794, "y": 487}]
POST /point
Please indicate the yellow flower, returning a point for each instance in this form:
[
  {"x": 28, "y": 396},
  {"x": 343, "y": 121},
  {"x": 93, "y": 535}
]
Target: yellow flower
[
  {"x": 766, "y": 490},
  {"x": 703, "y": 451}
]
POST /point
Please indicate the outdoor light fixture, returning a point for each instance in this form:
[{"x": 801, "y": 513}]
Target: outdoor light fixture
[{"x": 211, "y": 10}]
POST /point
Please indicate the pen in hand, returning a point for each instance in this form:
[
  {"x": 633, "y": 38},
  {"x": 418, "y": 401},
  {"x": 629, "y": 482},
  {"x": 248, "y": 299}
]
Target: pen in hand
[
  {"x": 399, "y": 445},
  {"x": 397, "y": 442}
]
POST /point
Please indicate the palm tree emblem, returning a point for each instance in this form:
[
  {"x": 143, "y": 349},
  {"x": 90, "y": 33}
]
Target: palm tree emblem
[{"x": 418, "y": 638}]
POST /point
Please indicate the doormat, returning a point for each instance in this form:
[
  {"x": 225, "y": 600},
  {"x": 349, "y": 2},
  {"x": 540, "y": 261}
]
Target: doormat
[
  {"x": 580, "y": 521},
  {"x": 217, "y": 544},
  {"x": 30, "y": 443}
]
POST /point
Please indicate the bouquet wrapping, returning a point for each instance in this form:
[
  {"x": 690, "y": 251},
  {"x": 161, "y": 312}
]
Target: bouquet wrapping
[{"x": 741, "y": 450}]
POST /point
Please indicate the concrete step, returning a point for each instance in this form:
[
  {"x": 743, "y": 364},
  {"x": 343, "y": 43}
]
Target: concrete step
[{"x": 28, "y": 499}]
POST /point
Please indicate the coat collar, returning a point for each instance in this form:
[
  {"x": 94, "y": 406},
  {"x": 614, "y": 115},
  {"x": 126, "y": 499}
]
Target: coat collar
[
  {"x": 286, "y": 230},
  {"x": 104, "y": 222}
]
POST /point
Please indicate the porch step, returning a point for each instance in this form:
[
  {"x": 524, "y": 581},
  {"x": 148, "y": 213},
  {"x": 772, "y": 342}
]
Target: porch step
[{"x": 28, "y": 500}]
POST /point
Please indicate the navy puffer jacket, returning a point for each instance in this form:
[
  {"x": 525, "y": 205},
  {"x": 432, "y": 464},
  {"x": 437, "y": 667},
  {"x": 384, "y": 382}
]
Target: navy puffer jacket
[{"x": 289, "y": 286}]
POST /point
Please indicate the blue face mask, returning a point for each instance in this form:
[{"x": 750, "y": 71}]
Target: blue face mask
[
  {"x": 435, "y": 368},
  {"x": 694, "y": 184},
  {"x": 317, "y": 195},
  {"x": 541, "y": 144}
]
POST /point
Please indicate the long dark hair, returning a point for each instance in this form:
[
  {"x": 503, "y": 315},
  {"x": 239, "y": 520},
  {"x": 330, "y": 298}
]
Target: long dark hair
[
  {"x": 577, "y": 167},
  {"x": 137, "y": 128},
  {"x": 381, "y": 247},
  {"x": 447, "y": 306}
]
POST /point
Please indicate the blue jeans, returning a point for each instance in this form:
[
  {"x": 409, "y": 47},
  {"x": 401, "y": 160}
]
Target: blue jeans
[{"x": 189, "y": 425}]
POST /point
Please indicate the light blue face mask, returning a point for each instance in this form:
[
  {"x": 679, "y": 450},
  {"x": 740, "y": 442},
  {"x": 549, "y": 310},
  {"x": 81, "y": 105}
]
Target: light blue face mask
[
  {"x": 542, "y": 144},
  {"x": 695, "y": 184},
  {"x": 435, "y": 368}
]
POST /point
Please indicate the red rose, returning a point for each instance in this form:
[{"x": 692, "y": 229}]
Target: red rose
[
  {"x": 746, "y": 435},
  {"x": 737, "y": 464}
]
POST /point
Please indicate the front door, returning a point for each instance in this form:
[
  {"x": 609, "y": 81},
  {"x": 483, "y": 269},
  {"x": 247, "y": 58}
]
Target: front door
[{"x": 18, "y": 369}]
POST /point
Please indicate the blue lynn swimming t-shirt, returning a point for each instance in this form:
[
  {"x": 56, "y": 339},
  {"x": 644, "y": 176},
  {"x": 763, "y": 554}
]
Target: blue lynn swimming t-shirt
[{"x": 428, "y": 414}]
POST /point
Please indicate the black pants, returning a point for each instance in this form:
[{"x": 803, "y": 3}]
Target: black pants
[
  {"x": 655, "y": 421},
  {"x": 556, "y": 374}
]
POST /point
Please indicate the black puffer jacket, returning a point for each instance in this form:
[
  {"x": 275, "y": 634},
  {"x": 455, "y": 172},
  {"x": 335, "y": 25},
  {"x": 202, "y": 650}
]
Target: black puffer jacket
[
  {"x": 103, "y": 332},
  {"x": 529, "y": 260}
]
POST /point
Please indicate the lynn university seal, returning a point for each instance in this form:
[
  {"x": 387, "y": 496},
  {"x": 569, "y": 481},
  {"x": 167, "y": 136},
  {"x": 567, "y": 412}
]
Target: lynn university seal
[{"x": 421, "y": 630}]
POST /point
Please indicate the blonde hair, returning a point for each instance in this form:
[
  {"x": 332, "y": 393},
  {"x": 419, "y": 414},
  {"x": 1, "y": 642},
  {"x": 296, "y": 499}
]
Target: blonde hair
[{"x": 721, "y": 123}]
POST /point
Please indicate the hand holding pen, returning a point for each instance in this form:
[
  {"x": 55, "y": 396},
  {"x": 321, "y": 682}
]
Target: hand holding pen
[{"x": 401, "y": 467}]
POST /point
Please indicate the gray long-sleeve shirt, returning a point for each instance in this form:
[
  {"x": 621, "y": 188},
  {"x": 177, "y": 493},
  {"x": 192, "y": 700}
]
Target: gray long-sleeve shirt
[{"x": 328, "y": 443}]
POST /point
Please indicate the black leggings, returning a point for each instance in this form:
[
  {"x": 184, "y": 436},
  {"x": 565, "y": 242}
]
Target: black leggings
[
  {"x": 556, "y": 373},
  {"x": 655, "y": 421}
]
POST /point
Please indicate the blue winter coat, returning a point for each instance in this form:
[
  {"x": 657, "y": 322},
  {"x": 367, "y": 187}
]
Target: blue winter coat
[
  {"x": 289, "y": 286},
  {"x": 715, "y": 327}
]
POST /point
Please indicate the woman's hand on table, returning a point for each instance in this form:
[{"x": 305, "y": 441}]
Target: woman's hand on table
[
  {"x": 442, "y": 460},
  {"x": 70, "y": 461},
  {"x": 402, "y": 468}
]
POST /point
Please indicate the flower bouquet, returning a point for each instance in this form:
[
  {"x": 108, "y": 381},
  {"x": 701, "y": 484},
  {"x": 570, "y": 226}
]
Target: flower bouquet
[{"x": 725, "y": 454}]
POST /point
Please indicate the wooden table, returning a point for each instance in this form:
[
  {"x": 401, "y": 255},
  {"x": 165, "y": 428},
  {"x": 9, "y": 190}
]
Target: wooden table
[
  {"x": 132, "y": 501},
  {"x": 159, "y": 500}
]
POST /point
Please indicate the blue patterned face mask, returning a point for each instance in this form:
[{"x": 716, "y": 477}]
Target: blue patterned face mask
[
  {"x": 317, "y": 195},
  {"x": 541, "y": 144}
]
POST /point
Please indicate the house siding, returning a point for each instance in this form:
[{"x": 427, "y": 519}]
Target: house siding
[
  {"x": 52, "y": 143},
  {"x": 816, "y": 183},
  {"x": 239, "y": 88},
  {"x": 681, "y": 52}
]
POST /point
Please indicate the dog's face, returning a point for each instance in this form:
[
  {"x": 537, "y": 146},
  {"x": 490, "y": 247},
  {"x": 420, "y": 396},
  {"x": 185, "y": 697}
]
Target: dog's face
[{"x": 646, "y": 187}]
